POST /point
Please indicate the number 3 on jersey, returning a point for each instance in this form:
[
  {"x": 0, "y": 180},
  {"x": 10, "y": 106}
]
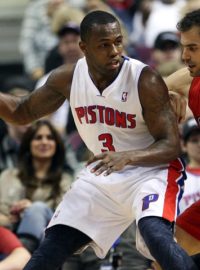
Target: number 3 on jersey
[{"x": 107, "y": 141}]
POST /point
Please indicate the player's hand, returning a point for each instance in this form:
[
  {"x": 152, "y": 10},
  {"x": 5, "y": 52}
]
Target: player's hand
[
  {"x": 109, "y": 162},
  {"x": 179, "y": 105}
]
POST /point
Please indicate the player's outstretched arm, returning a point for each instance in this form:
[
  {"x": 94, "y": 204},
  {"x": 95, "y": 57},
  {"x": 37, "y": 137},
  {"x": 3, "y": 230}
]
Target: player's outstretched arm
[{"x": 41, "y": 102}]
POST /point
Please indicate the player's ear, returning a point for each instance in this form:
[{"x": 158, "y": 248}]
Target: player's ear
[{"x": 82, "y": 46}]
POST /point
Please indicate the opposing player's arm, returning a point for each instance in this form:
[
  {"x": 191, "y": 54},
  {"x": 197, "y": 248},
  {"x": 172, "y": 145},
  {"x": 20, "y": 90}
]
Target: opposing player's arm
[
  {"x": 179, "y": 82},
  {"x": 160, "y": 120},
  {"x": 41, "y": 102}
]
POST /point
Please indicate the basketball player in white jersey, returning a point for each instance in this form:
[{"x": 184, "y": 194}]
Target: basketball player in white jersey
[{"x": 122, "y": 112}]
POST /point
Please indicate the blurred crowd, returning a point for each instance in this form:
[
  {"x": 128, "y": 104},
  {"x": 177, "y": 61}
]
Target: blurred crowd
[{"x": 40, "y": 161}]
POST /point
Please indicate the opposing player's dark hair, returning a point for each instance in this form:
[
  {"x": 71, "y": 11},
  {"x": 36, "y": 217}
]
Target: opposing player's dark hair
[
  {"x": 189, "y": 20},
  {"x": 97, "y": 17}
]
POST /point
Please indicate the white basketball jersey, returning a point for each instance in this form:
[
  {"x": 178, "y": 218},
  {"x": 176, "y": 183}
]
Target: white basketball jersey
[{"x": 111, "y": 121}]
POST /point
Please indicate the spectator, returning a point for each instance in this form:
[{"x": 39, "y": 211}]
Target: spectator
[
  {"x": 36, "y": 35},
  {"x": 191, "y": 146},
  {"x": 65, "y": 24},
  {"x": 30, "y": 192},
  {"x": 12, "y": 138},
  {"x": 139, "y": 22},
  {"x": 13, "y": 255},
  {"x": 166, "y": 51},
  {"x": 67, "y": 50},
  {"x": 124, "y": 10},
  {"x": 157, "y": 22}
]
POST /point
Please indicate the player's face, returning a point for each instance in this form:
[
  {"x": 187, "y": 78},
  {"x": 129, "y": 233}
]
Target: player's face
[
  {"x": 190, "y": 41},
  {"x": 43, "y": 145},
  {"x": 103, "y": 49}
]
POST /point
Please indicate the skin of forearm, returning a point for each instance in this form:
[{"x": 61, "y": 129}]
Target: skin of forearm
[
  {"x": 160, "y": 152},
  {"x": 16, "y": 260}
]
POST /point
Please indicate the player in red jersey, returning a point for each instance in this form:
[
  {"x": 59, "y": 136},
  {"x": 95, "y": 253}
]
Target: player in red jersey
[{"x": 186, "y": 82}]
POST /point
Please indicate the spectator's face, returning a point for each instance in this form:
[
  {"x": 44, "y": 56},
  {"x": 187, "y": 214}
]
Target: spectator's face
[
  {"x": 43, "y": 145},
  {"x": 69, "y": 48},
  {"x": 162, "y": 56},
  {"x": 190, "y": 41},
  {"x": 192, "y": 147}
]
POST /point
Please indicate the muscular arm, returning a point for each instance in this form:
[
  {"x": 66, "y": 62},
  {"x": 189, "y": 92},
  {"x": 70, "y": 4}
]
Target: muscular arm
[
  {"x": 179, "y": 82},
  {"x": 160, "y": 120},
  {"x": 41, "y": 102}
]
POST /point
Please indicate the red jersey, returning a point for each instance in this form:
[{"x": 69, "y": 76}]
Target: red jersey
[
  {"x": 194, "y": 98},
  {"x": 8, "y": 241},
  {"x": 189, "y": 220}
]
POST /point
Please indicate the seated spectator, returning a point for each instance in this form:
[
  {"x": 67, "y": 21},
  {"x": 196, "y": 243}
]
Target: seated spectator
[
  {"x": 12, "y": 138},
  {"x": 67, "y": 51},
  {"x": 140, "y": 21},
  {"x": 163, "y": 17},
  {"x": 191, "y": 147},
  {"x": 124, "y": 10},
  {"x": 166, "y": 49},
  {"x": 36, "y": 37},
  {"x": 30, "y": 192},
  {"x": 13, "y": 256}
]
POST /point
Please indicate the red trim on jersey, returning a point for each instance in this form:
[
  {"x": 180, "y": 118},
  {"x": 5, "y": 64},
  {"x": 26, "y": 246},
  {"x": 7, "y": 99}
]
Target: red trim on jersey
[
  {"x": 194, "y": 98},
  {"x": 175, "y": 173},
  {"x": 8, "y": 241},
  {"x": 189, "y": 220}
]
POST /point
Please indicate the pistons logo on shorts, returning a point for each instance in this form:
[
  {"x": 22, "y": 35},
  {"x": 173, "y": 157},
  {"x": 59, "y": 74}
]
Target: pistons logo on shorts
[{"x": 149, "y": 199}]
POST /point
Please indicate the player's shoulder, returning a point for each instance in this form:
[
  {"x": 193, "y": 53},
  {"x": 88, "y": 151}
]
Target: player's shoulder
[{"x": 62, "y": 74}]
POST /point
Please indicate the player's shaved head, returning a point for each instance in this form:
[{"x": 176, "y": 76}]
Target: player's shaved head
[{"x": 93, "y": 18}]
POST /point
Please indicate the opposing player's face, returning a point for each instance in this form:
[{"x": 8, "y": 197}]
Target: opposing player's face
[
  {"x": 103, "y": 49},
  {"x": 190, "y": 41}
]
